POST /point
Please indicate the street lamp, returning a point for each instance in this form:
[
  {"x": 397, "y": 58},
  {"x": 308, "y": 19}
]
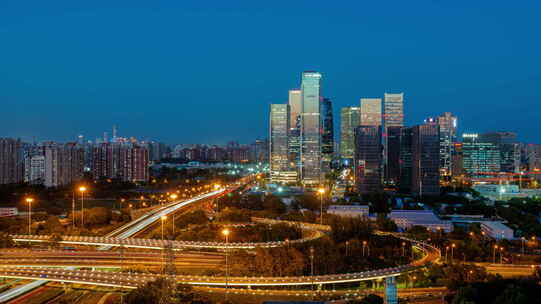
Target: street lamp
[
  {"x": 82, "y": 189},
  {"x": 226, "y": 233},
  {"x": 163, "y": 218},
  {"x": 321, "y": 191},
  {"x": 523, "y": 239},
  {"x": 173, "y": 196},
  {"x": 29, "y": 201},
  {"x": 494, "y": 254},
  {"x": 453, "y": 245},
  {"x": 501, "y": 254},
  {"x": 312, "y": 266}
]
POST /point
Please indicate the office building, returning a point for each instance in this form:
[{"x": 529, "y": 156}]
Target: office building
[
  {"x": 310, "y": 133},
  {"x": 509, "y": 149},
  {"x": 480, "y": 159},
  {"x": 279, "y": 145},
  {"x": 368, "y": 159},
  {"x": 394, "y": 143},
  {"x": 448, "y": 125},
  {"x": 370, "y": 112},
  {"x": 64, "y": 164},
  {"x": 11, "y": 161},
  {"x": 426, "y": 159},
  {"x": 295, "y": 109},
  {"x": 349, "y": 120},
  {"x": 327, "y": 138},
  {"x": 393, "y": 116},
  {"x": 406, "y": 164}
]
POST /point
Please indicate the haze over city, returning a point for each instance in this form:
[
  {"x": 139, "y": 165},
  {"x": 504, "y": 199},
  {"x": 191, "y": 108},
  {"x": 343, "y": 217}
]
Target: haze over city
[{"x": 176, "y": 71}]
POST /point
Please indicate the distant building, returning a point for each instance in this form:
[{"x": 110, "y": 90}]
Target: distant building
[
  {"x": 448, "y": 125},
  {"x": 394, "y": 142},
  {"x": 279, "y": 145},
  {"x": 426, "y": 159},
  {"x": 497, "y": 230},
  {"x": 406, "y": 219},
  {"x": 393, "y": 116},
  {"x": 126, "y": 162},
  {"x": 327, "y": 138},
  {"x": 480, "y": 159},
  {"x": 35, "y": 169},
  {"x": 310, "y": 134},
  {"x": 11, "y": 161},
  {"x": 349, "y": 120},
  {"x": 509, "y": 149},
  {"x": 406, "y": 163},
  {"x": 8, "y": 212},
  {"x": 368, "y": 159},
  {"x": 64, "y": 164},
  {"x": 295, "y": 106},
  {"x": 370, "y": 112},
  {"x": 349, "y": 210}
]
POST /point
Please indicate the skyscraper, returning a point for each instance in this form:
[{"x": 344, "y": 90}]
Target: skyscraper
[
  {"x": 393, "y": 116},
  {"x": 480, "y": 159},
  {"x": 394, "y": 143},
  {"x": 327, "y": 138},
  {"x": 368, "y": 159},
  {"x": 310, "y": 171},
  {"x": 349, "y": 120},
  {"x": 426, "y": 159},
  {"x": 448, "y": 124},
  {"x": 295, "y": 109},
  {"x": 509, "y": 149},
  {"x": 11, "y": 161},
  {"x": 406, "y": 163},
  {"x": 279, "y": 130},
  {"x": 370, "y": 112}
]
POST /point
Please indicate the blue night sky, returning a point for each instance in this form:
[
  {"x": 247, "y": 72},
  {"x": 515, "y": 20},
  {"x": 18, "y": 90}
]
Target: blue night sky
[{"x": 206, "y": 71}]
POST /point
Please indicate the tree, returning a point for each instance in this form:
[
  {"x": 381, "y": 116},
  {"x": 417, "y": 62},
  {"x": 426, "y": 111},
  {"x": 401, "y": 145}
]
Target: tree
[
  {"x": 369, "y": 299},
  {"x": 385, "y": 224},
  {"x": 274, "y": 204},
  {"x": 54, "y": 240},
  {"x": 164, "y": 291},
  {"x": 6, "y": 241}
]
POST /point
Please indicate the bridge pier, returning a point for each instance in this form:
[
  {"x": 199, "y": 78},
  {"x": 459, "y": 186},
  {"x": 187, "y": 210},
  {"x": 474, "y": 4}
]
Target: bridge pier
[{"x": 391, "y": 294}]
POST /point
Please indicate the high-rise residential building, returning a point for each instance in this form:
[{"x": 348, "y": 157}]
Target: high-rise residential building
[
  {"x": 11, "y": 161},
  {"x": 64, "y": 164},
  {"x": 310, "y": 133},
  {"x": 368, "y": 159},
  {"x": 448, "y": 125},
  {"x": 327, "y": 138},
  {"x": 126, "y": 162},
  {"x": 509, "y": 149},
  {"x": 480, "y": 159},
  {"x": 393, "y": 116},
  {"x": 35, "y": 169},
  {"x": 295, "y": 107},
  {"x": 349, "y": 120},
  {"x": 370, "y": 112},
  {"x": 394, "y": 144},
  {"x": 279, "y": 130},
  {"x": 425, "y": 159}
]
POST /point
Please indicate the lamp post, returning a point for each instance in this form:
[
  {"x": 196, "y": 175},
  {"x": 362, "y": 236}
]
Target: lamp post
[
  {"x": 501, "y": 255},
  {"x": 523, "y": 239},
  {"x": 82, "y": 189},
  {"x": 163, "y": 218},
  {"x": 452, "y": 251},
  {"x": 364, "y": 246},
  {"x": 312, "y": 266},
  {"x": 29, "y": 201},
  {"x": 403, "y": 248},
  {"x": 321, "y": 192},
  {"x": 226, "y": 233},
  {"x": 347, "y": 247},
  {"x": 494, "y": 254}
]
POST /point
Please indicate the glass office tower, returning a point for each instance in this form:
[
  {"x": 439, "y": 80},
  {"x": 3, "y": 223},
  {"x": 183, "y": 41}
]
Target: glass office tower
[{"x": 310, "y": 171}]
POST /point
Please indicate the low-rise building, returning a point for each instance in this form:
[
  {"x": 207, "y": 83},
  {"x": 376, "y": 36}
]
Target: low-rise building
[
  {"x": 349, "y": 210},
  {"x": 497, "y": 230},
  {"x": 406, "y": 219}
]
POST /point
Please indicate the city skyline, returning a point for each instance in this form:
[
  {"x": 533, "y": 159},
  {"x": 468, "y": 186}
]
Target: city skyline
[{"x": 84, "y": 70}]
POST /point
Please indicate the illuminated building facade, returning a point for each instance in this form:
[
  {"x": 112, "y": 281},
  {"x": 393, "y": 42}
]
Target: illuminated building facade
[
  {"x": 311, "y": 129},
  {"x": 368, "y": 159},
  {"x": 370, "y": 112},
  {"x": 478, "y": 157},
  {"x": 448, "y": 125},
  {"x": 349, "y": 120},
  {"x": 279, "y": 145}
]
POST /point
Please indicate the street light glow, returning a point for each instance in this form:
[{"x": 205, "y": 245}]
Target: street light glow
[
  {"x": 321, "y": 190},
  {"x": 226, "y": 232},
  {"x": 82, "y": 188}
]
